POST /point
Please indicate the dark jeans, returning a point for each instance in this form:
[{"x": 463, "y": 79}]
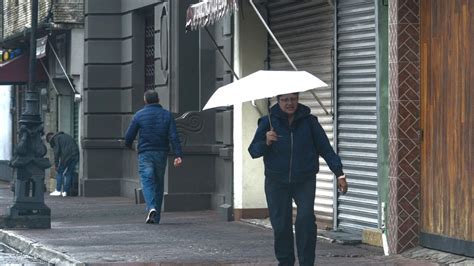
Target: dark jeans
[
  {"x": 151, "y": 167},
  {"x": 65, "y": 174},
  {"x": 279, "y": 199}
]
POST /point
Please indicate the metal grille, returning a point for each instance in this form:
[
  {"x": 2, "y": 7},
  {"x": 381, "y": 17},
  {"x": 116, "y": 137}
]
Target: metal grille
[
  {"x": 305, "y": 30},
  {"x": 76, "y": 122},
  {"x": 357, "y": 112},
  {"x": 149, "y": 53}
]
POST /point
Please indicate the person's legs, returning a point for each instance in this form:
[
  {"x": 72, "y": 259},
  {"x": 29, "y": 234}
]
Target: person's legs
[
  {"x": 59, "y": 177},
  {"x": 305, "y": 225},
  {"x": 280, "y": 208},
  {"x": 69, "y": 174},
  {"x": 146, "y": 171},
  {"x": 161, "y": 159}
]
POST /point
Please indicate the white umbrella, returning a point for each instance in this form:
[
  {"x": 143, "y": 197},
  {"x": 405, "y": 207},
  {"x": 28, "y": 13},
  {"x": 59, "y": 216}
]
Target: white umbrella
[{"x": 263, "y": 84}]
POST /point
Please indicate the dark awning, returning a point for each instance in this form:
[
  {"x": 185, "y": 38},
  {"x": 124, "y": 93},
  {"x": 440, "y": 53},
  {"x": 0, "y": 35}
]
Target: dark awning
[{"x": 16, "y": 71}]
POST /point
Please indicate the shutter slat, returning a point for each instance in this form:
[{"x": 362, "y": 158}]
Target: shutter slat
[{"x": 357, "y": 113}]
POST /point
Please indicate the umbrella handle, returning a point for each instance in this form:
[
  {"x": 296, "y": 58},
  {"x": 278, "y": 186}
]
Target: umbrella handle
[
  {"x": 269, "y": 114},
  {"x": 270, "y": 121}
]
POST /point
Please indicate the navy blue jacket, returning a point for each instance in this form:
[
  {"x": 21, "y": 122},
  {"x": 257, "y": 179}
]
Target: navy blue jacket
[
  {"x": 294, "y": 157},
  {"x": 157, "y": 128}
]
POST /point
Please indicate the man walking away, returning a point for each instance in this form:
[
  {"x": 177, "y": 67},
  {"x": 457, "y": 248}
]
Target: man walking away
[
  {"x": 66, "y": 157},
  {"x": 157, "y": 129}
]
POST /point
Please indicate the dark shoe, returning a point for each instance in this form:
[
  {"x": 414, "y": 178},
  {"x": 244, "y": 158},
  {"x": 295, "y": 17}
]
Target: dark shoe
[{"x": 150, "y": 219}]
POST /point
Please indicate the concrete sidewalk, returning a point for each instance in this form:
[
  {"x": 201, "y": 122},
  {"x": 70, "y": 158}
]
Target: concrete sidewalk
[{"x": 113, "y": 230}]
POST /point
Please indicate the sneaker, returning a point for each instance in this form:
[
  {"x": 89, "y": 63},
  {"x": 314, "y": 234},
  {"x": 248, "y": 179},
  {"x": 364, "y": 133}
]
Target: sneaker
[
  {"x": 150, "y": 219},
  {"x": 64, "y": 194},
  {"x": 55, "y": 193}
]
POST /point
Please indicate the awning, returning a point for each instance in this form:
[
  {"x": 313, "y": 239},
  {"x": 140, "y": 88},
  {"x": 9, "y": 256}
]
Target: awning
[
  {"x": 16, "y": 71},
  {"x": 207, "y": 12}
]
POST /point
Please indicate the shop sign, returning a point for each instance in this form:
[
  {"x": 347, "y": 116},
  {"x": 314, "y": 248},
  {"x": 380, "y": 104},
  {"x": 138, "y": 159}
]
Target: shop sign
[{"x": 9, "y": 54}]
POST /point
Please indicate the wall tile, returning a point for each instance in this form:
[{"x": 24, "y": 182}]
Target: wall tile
[
  {"x": 408, "y": 11},
  {"x": 404, "y": 124}
]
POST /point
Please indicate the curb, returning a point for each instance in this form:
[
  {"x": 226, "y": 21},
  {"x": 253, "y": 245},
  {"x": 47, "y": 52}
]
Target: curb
[{"x": 36, "y": 250}]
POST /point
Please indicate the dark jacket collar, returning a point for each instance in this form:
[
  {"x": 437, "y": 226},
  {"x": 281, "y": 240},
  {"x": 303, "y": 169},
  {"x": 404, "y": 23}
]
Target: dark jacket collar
[
  {"x": 153, "y": 105},
  {"x": 301, "y": 112}
]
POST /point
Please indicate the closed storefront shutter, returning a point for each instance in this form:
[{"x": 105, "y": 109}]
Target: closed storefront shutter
[
  {"x": 357, "y": 112},
  {"x": 305, "y": 30}
]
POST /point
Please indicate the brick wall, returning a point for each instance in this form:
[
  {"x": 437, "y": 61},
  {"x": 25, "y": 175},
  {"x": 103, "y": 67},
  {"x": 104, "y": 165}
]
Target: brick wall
[{"x": 68, "y": 11}]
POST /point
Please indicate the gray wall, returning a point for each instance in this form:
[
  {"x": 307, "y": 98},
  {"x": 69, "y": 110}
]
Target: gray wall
[{"x": 112, "y": 93}]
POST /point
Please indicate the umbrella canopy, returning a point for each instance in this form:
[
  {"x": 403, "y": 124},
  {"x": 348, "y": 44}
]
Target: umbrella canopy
[{"x": 263, "y": 84}]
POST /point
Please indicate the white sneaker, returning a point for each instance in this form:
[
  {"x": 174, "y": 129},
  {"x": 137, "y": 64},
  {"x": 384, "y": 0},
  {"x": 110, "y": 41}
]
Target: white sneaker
[
  {"x": 55, "y": 193},
  {"x": 150, "y": 219},
  {"x": 64, "y": 194}
]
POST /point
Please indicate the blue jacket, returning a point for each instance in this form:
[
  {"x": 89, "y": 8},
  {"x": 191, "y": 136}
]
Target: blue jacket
[
  {"x": 294, "y": 157},
  {"x": 157, "y": 129}
]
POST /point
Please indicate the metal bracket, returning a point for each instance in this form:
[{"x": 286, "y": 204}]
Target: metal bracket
[{"x": 62, "y": 68}]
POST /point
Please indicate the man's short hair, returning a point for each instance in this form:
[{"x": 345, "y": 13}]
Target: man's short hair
[
  {"x": 49, "y": 136},
  {"x": 151, "y": 96}
]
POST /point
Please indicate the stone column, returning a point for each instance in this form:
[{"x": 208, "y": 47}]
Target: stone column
[{"x": 404, "y": 140}]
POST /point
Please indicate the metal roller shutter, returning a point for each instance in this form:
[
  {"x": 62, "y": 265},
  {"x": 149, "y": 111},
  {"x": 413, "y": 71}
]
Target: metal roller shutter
[
  {"x": 357, "y": 112},
  {"x": 305, "y": 30}
]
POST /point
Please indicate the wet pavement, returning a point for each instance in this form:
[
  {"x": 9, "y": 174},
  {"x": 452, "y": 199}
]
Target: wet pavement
[{"x": 113, "y": 230}]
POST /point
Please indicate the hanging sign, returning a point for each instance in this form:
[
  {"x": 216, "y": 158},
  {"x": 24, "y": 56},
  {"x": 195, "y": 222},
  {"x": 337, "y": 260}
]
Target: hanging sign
[
  {"x": 41, "y": 47},
  {"x": 207, "y": 12}
]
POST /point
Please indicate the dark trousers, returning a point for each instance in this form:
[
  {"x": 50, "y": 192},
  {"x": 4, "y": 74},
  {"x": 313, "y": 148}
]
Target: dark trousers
[
  {"x": 279, "y": 199},
  {"x": 65, "y": 175}
]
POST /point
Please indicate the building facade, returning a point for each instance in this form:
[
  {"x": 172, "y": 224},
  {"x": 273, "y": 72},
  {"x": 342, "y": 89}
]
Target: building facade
[{"x": 132, "y": 46}]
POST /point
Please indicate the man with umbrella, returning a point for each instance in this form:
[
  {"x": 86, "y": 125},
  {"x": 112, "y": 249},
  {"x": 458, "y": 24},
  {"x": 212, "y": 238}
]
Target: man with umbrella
[{"x": 291, "y": 141}]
